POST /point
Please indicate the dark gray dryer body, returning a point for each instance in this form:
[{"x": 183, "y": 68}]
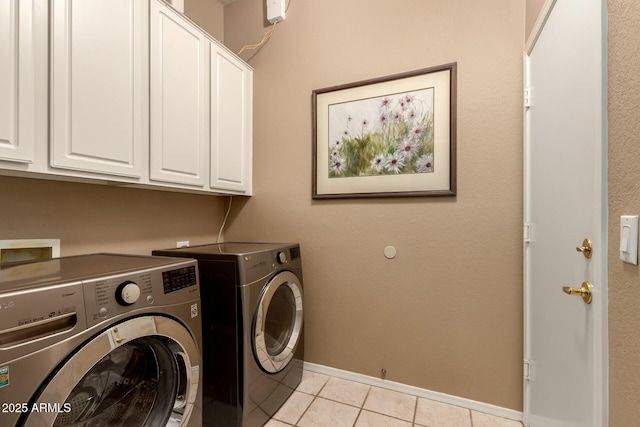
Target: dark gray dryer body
[{"x": 252, "y": 315}]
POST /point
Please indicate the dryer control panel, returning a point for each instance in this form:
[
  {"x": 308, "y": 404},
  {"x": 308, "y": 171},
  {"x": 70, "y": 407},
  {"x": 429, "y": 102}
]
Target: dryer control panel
[{"x": 258, "y": 265}]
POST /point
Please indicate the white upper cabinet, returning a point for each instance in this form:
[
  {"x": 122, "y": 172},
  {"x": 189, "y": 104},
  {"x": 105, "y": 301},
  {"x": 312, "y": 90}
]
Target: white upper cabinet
[
  {"x": 179, "y": 99},
  {"x": 231, "y": 122},
  {"x": 20, "y": 41},
  {"x": 129, "y": 92},
  {"x": 99, "y": 86}
]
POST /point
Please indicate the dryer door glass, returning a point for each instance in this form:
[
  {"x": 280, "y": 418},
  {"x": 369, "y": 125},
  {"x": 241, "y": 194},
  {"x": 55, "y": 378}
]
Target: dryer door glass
[{"x": 278, "y": 322}]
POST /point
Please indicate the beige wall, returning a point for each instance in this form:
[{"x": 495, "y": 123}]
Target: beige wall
[
  {"x": 624, "y": 199},
  {"x": 533, "y": 8},
  {"x": 208, "y": 14},
  {"x": 446, "y": 313},
  {"x": 95, "y": 218}
]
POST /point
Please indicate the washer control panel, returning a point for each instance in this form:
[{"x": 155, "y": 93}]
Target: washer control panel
[
  {"x": 110, "y": 296},
  {"x": 174, "y": 280}
]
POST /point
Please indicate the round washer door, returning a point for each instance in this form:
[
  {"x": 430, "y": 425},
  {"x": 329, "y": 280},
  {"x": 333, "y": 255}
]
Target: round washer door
[
  {"x": 141, "y": 372},
  {"x": 278, "y": 322}
]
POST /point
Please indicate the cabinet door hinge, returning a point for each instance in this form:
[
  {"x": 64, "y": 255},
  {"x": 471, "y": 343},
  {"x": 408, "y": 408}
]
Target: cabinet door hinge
[
  {"x": 527, "y": 369},
  {"x": 527, "y": 97},
  {"x": 527, "y": 232}
]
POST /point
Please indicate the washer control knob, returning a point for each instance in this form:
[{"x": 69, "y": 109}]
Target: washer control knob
[
  {"x": 127, "y": 293},
  {"x": 281, "y": 257}
]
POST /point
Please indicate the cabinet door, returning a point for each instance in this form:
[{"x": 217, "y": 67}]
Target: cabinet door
[
  {"x": 18, "y": 74},
  {"x": 231, "y": 122},
  {"x": 179, "y": 99},
  {"x": 99, "y": 85}
]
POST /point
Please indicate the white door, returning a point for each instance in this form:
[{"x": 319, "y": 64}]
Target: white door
[
  {"x": 99, "y": 89},
  {"x": 565, "y": 202}
]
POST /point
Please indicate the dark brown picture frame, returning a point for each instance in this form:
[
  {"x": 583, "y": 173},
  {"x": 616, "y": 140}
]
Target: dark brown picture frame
[{"x": 392, "y": 136}]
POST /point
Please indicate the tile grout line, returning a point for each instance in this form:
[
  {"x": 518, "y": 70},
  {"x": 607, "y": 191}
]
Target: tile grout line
[
  {"x": 315, "y": 396},
  {"x": 361, "y": 409},
  {"x": 362, "y": 406},
  {"x": 384, "y": 414},
  {"x": 451, "y": 400},
  {"x": 415, "y": 411},
  {"x": 305, "y": 411}
]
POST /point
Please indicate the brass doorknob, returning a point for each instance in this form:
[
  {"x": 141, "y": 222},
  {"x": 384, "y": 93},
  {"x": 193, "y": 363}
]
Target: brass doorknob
[
  {"x": 584, "y": 291},
  {"x": 586, "y": 248}
]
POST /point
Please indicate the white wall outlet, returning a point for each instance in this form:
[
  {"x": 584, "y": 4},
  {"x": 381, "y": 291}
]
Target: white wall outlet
[
  {"x": 183, "y": 244},
  {"x": 275, "y": 10}
]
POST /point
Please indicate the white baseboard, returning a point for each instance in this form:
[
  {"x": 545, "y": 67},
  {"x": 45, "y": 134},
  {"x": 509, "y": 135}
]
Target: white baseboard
[{"x": 416, "y": 391}]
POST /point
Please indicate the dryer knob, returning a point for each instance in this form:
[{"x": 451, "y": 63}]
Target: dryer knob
[
  {"x": 281, "y": 257},
  {"x": 127, "y": 293}
]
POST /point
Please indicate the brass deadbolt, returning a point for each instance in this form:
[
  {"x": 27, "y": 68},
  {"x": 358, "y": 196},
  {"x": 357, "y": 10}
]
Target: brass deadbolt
[{"x": 586, "y": 248}]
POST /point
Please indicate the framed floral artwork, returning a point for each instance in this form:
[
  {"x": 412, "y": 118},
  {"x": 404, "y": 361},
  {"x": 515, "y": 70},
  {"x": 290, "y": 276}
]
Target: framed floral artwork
[{"x": 393, "y": 136}]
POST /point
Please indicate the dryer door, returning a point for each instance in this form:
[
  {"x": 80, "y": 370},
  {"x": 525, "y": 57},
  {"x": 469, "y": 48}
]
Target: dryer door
[
  {"x": 141, "y": 372},
  {"x": 278, "y": 322}
]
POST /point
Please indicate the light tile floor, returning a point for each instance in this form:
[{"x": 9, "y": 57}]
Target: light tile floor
[{"x": 325, "y": 401}]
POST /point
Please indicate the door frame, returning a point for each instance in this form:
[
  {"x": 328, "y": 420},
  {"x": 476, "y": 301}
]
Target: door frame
[{"x": 600, "y": 349}]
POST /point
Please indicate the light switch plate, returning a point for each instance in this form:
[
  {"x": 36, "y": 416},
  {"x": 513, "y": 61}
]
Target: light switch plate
[{"x": 629, "y": 239}]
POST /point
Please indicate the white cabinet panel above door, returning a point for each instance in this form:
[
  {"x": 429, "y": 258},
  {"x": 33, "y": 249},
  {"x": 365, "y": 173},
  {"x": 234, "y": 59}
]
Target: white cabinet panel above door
[
  {"x": 179, "y": 99},
  {"x": 231, "y": 122},
  {"x": 99, "y": 96},
  {"x": 19, "y": 44}
]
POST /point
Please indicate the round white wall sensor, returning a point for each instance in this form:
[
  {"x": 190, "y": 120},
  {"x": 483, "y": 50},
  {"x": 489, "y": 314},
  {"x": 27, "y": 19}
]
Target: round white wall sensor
[{"x": 390, "y": 252}]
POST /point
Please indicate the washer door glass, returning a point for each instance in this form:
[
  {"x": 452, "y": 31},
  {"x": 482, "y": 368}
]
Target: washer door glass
[
  {"x": 141, "y": 372},
  {"x": 129, "y": 386},
  {"x": 278, "y": 322}
]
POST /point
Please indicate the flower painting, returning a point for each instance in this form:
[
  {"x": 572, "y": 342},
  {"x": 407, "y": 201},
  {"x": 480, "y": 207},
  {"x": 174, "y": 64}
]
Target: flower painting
[{"x": 391, "y": 134}]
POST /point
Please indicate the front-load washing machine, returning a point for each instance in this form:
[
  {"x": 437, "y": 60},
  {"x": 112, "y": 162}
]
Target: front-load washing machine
[
  {"x": 252, "y": 328},
  {"x": 100, "y": 340}
]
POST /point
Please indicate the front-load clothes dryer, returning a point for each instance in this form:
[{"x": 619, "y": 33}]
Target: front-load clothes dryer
[
  {"x": 252, "y": 328},
  {"x": 100, "y": 340}
]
